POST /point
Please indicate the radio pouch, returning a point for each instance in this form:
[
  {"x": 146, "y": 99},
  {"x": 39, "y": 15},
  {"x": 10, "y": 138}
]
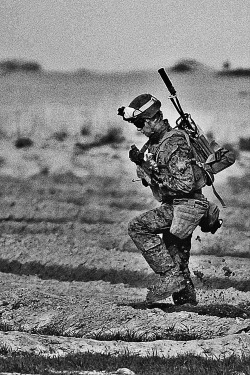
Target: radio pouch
[{"x": 210, "y": 221}]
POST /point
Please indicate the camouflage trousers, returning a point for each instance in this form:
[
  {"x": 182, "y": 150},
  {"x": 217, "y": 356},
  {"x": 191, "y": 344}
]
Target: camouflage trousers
[{"x": 161, "y": 249}]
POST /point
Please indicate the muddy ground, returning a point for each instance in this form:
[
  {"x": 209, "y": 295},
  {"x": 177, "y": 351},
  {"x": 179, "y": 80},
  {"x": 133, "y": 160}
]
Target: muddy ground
[{"x": 72, "y": 280}]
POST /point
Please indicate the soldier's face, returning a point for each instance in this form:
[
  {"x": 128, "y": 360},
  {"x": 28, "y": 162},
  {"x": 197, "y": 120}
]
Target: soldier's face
[{"x": 149, "y": 128}]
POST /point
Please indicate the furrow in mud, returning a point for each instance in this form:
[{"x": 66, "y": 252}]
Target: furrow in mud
[{"x": 79, "y": 273}]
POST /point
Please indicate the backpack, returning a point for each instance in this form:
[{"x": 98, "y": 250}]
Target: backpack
[{"x": 209, "y": 156}]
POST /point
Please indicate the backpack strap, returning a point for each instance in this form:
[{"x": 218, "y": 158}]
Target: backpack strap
[
  {"x": 144, "y": 147},
  {"x": 218, "y": 196}
]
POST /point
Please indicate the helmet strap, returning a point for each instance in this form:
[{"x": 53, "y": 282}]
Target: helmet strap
[{"x": 145, "y": 106}]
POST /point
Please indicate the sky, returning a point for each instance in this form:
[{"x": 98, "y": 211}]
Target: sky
[{"x": 114, "y": 35}]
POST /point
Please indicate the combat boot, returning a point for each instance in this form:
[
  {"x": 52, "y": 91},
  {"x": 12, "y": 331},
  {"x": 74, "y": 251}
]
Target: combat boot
[
  {"x": 168, "y": 283},
  {"x": 186, "y": 295}
]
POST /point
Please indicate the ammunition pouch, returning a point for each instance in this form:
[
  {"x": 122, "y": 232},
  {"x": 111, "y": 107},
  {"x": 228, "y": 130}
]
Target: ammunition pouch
[
  {"x": 187, "y": 215},
  {"x": 210, "y": 221}
]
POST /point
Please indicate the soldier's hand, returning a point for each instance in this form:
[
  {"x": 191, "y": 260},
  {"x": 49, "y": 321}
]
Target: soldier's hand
[{"x": 135, "y": 155}]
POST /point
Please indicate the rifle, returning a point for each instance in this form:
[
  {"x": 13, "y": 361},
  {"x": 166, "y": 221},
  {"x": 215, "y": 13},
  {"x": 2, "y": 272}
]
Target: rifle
[{"x": 185, "y": 122}]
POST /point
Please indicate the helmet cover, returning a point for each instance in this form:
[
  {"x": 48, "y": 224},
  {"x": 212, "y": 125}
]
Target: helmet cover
[{"x": 140, "y": 101}]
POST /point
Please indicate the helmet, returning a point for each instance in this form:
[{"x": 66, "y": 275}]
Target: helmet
[
  {"x": 142, "y": 107},
  {"x": 146, "y": 105}
]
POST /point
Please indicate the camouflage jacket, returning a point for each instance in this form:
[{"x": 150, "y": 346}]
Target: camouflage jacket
[{"x": 173, "y": 155}]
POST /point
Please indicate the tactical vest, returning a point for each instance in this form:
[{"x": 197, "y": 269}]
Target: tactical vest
[
  {"x": 203, "y": 168},
  {"x": 200, "y": 174}
]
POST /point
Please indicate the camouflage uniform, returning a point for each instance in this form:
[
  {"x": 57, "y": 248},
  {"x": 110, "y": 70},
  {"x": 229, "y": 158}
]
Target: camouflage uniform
[{"x": 164, "y": 253}]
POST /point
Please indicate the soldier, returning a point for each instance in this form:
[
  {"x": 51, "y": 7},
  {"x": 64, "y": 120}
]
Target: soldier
[{"x": 163, "y": 235}]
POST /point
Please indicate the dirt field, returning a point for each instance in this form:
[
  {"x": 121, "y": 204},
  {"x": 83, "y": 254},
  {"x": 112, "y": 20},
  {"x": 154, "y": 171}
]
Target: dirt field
[{"x": 72, "y": 280}]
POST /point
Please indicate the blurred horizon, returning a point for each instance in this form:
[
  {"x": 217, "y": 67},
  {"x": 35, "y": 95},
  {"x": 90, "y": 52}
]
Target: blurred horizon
[
  {"x": 190, "y": 65},
  {"x": 42, "y": 102}
]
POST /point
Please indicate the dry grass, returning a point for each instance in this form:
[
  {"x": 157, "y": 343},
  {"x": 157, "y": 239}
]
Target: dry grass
[
  {"x": 74, "y": 363},
  {"x": 144, "y": 336}
]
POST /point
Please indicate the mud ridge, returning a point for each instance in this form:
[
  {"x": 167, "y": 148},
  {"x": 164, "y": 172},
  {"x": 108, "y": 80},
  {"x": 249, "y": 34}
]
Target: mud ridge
[
  {"x": 54, "y": 220},
  {"x": 12, "y": 219},
  {"x": 222, "y": 347}
]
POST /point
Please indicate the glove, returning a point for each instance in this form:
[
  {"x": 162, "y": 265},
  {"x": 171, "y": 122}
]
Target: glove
[{"x": 135, "y": 155}]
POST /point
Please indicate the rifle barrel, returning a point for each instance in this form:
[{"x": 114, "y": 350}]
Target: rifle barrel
[{"x": 167, "y": 81}]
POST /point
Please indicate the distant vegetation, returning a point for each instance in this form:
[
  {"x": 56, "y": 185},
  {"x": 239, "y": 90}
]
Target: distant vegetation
[
  {"x": 23, "y": 142},
  {"x": 113, "y": 136},
  {"x": 185, "y": 66},
  {"x": 226, "y": 65},
  {"x": 244, "y": 144},
  {"x": 231, "y": 147},
  {"x": 86, "y": 128},
  {"x": 11, "y": 66},
  {"x": 60, "y": 136},
  {"x": 190, "y": 66},
  {"x": 235, "y": 72}
]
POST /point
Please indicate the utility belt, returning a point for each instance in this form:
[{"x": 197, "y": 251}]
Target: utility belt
[
  {"x": 170, "y": 199},
  {"x": 187, "y": 214}
]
